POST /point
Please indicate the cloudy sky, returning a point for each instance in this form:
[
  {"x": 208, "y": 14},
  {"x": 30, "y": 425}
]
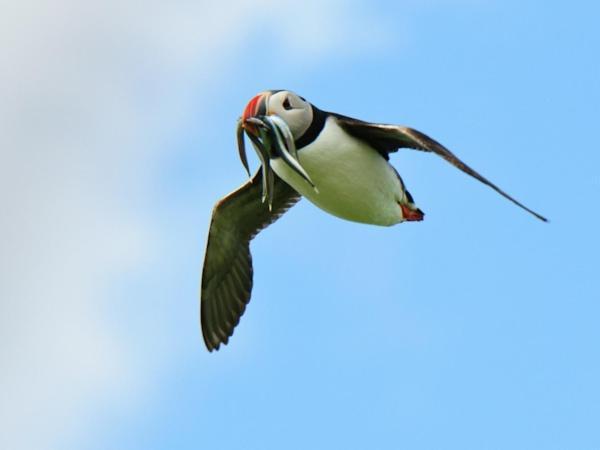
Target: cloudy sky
[{"x": 476, "y": 328}]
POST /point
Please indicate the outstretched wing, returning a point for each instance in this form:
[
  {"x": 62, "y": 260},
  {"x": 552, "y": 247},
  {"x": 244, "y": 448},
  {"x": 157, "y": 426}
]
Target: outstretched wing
[
  {"x": 227, "y": 272},
  {"x": 389, "y": 138}
]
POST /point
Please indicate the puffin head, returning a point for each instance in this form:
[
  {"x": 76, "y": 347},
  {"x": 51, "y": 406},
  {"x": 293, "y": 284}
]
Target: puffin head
[
  {"x": 274, "y": 121},
  {"x": 296, "y": 112}
]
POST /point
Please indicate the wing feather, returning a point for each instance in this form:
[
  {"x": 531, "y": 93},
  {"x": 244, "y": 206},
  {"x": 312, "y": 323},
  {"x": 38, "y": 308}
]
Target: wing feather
[
  {"x": 389, "y": 138},
  {"x": 227, "y": 273}
]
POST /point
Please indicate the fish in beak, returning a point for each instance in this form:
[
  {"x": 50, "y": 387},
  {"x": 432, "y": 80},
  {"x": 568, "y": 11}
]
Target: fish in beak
[{"x": 271, "y": 138}]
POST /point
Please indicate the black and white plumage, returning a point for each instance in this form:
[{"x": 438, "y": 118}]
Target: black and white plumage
[{"x": 339, "y": 163}]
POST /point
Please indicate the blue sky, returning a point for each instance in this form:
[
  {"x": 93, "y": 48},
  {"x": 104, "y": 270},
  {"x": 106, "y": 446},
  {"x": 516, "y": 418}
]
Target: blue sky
[{"x": 474, "y": 329}]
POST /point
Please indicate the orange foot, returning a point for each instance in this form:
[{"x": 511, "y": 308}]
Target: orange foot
[{"x": 412, "y": 215}]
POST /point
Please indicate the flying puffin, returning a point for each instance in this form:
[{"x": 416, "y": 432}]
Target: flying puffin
[{"x": 339, "y": 163}]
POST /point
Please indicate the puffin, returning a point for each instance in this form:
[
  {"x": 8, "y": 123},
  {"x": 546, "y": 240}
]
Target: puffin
[{"x": 338, "y": 163}]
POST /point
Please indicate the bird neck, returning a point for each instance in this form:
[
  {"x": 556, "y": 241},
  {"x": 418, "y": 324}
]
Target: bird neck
[{"x": 314, "y": 129}]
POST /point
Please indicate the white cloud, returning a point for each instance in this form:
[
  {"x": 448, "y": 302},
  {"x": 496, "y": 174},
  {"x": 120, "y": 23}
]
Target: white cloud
[{"x": 88, "y": 90}]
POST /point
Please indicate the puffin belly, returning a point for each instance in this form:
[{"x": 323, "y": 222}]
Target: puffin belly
[{"x": 354, "y": 182}]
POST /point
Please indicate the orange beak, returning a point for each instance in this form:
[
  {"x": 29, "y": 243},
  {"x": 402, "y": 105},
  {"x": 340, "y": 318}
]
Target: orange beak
[{"x": 255, "y": 107}]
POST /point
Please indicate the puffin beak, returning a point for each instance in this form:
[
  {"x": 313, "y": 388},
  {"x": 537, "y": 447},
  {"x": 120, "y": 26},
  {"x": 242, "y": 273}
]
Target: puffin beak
[
  {"x": 255, "y": 107},
  {"x": 249, "y": 123}
]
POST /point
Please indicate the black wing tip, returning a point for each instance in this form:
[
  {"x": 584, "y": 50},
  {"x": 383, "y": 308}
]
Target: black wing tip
[
  {"x": 212, "y": 338},
  {"x": 213, "y": 344},
  {"x": 212, "y": 347},
  {"x": 530, "y": 211},
  {"x": 538, "y": 216}
]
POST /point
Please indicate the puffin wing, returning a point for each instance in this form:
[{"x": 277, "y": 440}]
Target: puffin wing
[
  {"x": 227, "y": 272},
  {"x": 389, "y": 138}
]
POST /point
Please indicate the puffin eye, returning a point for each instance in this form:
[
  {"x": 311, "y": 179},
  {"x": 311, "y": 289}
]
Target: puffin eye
[{"x": 286, "y": 104}]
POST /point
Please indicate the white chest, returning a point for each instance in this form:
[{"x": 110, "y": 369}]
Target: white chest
[{"x": 353, "y": 180}]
